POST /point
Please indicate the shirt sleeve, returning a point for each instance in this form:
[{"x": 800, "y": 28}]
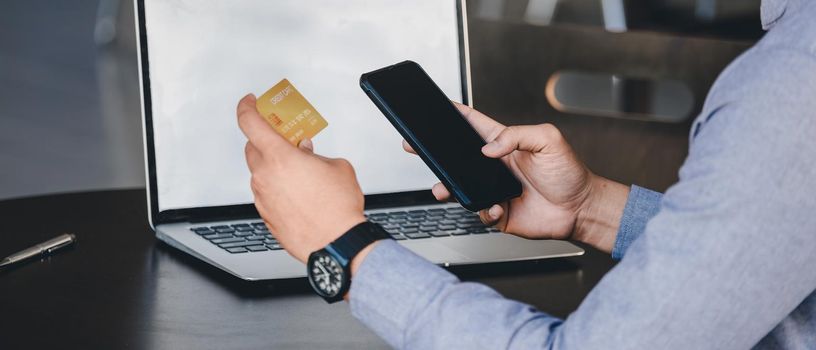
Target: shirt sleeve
[
  {"x": 641, "y": 206},
  {"x": 414, "y": 304},
  {"x": 727, "y": 257}
]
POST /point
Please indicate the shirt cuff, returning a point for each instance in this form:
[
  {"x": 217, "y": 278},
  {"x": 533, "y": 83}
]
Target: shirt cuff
[
  {"x": 642, "y": 205},
  {"x": 388, "y": 286}
]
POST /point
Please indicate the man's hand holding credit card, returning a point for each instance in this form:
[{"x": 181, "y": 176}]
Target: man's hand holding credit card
[
  {"x": 289, "y": 113},
  {"x": 306, "y": 200}
]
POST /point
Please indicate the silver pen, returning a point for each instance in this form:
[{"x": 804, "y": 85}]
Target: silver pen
[{"x": 41, "y": 249}]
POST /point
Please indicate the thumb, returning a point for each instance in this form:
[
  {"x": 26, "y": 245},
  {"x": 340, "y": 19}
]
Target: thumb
[
  {"x": 530, "y": 138},
  {"x": 257, "y": 129},
  {"x": 484, "y": 125},
  {"x": 306, "y": 145}
]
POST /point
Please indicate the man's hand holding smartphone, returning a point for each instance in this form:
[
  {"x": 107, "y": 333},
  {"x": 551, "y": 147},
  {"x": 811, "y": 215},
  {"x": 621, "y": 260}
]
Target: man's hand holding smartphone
[{"x": 561, "y": 198}]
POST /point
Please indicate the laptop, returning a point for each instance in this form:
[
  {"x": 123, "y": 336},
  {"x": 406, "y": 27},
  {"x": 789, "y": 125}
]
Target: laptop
[{"x": 198, "y": 58}]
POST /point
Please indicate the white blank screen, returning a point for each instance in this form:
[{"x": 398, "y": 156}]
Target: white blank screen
[{"x": 205, "y": 55}]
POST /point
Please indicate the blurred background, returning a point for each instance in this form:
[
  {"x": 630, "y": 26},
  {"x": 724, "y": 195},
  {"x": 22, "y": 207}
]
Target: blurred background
[{"x": 623, "y": 79}]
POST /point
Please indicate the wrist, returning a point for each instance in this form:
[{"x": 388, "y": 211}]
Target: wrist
[
  {"x": 330, "y": 269},
  {"x": 339, "y": 227},
  {"x": 357, "y": 261},
  {"x": 360, "y": 257},
  {"x": 598, "y": 218}
]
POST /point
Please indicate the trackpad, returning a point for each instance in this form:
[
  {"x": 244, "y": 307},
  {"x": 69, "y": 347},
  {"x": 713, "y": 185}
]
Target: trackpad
[
  {"x": 435, "y": 252},
  {"x": 504, "y": 247}
]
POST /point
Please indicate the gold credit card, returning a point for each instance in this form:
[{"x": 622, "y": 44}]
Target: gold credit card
[{"x": 289, "y": 112}]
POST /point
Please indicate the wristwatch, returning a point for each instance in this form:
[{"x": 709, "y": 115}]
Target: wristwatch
[{"x": 329, "y": 269}]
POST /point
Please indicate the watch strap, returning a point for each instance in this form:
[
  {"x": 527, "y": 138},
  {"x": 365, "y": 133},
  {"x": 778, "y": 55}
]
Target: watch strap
[{"x": 357, "y": 238}]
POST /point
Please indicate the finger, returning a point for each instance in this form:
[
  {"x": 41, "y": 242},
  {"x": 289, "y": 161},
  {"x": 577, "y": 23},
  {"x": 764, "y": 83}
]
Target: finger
[
  {"x": 484, "y": 125},
  {"x": 306, "y": 145},
  {"x": 495, "y": 216},
  {"x": 531, "y": 138},
  {"x": 408, "y": 147},
  {"x": 323, "y": 158},
  {"x": 440, "y": 192},
  {"x": 257, "y": 130},
  {"x": 492, "y": 215},
  {"x": 253, "y": 156}
]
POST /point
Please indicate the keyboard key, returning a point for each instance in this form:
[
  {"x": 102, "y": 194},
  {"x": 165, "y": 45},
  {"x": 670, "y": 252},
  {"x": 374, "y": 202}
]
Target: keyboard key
[
  {"x": 217, "y": 236},
  {"x": 412, "y": 225},
  {"x": 470, "y": 225},
  {"x": 225, "y": 230},
  {"x": 240, "y": 225},
  {"x": 398, "y": 213},
  {"x": 409, "y": 230},
  {"x": 258, "y": 224},
  {"x": 271, "y": 241},
  {"x": 244, "y": 233},
  {"x": 434, "y": 217},
  {"x": 398, "y": 220},
  {"x": 493, "y": 229},
  {"x": 447, "y": 222},
  {"x": 257, "y": 237},
  {"x": 219, "y": 226},
  {"x": 256, "y": 248},
  {"x": 378, "y": 215},
  {"x": 417, "y": 235},
  {"x": 468, "y": 219},
  {"x": 390, "y": 226},
  {"x": 200, "y": 229},
  {"x": 458, "y": 232},
  {"x": 244, "y": 229},
  {"x": 417, "y": 211},
  {"x": 439, "y": 233},
  {"x": 446, "y": 227},
  {"x": 240, "y": 244},
  {"x": 393, "y": 230},
  {"x": 478, "y": 230},
  {"x": 415, "y": 219},
  {"x": 427, "y": 228},
  {"x": 236, "y": 250},
  {"x": 437, "y": 211},
  {"x": 398, "y": 237},
  {"x": 274, "y": 246},
  {"x": 227, "y": 240}
]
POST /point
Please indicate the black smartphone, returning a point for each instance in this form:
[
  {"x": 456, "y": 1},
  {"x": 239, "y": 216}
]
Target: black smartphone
[{"x": 440, "y": 135}]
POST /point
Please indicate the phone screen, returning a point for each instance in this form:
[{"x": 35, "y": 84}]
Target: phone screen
[{"x": 448, "y": 144}]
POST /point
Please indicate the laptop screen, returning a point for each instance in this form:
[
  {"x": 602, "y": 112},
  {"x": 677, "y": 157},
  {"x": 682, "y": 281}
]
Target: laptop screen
[{"x": 205, "y": 55}]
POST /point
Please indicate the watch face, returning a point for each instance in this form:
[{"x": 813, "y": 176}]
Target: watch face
[{"x": 326, "y": 274}]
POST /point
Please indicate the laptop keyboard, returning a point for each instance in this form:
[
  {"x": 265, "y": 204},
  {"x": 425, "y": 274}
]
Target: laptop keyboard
[
  {"x": 439, "y": 222},
  {"x": 239, "y": 238},
  {"x": 400, "y": 224}
]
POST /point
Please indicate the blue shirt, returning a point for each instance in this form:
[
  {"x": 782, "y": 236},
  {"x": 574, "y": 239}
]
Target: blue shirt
[{"x": 726, "y": 259}]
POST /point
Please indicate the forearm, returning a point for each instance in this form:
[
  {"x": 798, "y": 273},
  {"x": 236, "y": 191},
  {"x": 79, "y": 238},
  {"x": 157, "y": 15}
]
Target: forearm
[{"x": 412, "y": 303}]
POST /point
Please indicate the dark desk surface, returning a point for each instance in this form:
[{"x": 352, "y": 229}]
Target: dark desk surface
[{"x": 119, "y": 287}]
